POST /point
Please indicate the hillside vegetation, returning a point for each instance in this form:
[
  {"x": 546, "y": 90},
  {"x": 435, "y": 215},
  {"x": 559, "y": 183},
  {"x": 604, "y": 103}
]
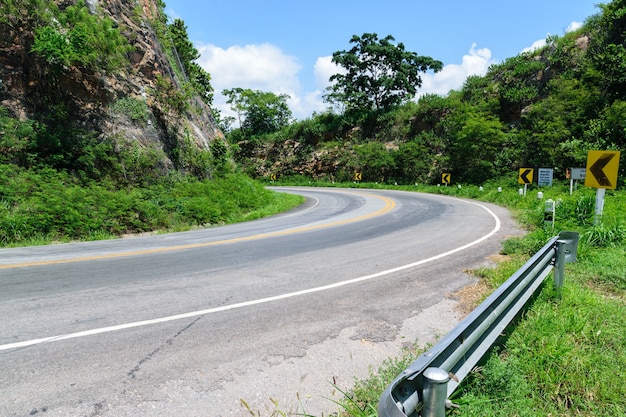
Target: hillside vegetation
[{"x": 545, "y": 108}]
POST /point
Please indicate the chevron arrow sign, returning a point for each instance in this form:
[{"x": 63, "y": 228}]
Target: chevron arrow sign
[
  {"x": 526, "y": 175},
  {"x": 602, "y": 167}
]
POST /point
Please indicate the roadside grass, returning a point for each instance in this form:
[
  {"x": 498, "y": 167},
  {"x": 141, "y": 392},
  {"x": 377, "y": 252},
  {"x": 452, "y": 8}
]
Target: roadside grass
[
  {"x": 43, "y": 207},
  {"x": 565, "y": 355}
]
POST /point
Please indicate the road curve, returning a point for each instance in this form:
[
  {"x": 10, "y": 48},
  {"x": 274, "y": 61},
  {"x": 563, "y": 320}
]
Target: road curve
[{"x": 190, "y": 322}]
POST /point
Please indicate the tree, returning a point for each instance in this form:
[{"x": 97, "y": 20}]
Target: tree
[
  {"x": 259, "y": 112},
  {"x": 607, "y": 50},
  {"x": 477, "y": 141},
  {"x": 378, "y": 74}
]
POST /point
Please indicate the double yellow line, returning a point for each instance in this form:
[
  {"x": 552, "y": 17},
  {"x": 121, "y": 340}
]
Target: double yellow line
[{"x": 389, "y": 205}]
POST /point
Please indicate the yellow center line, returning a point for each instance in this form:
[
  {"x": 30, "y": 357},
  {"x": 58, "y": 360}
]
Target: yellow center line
[{"x": 389, "y": 205}]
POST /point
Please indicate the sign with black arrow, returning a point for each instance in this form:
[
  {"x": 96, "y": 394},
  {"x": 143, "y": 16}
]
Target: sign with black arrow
[
  {"x": 602, "y": 167},
  {"x": 526, "y": 175},
  {"x": 445, "y": 178}
]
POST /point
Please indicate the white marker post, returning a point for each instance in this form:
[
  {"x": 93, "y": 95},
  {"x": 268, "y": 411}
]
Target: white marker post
[{"x": 600, "y": 193}]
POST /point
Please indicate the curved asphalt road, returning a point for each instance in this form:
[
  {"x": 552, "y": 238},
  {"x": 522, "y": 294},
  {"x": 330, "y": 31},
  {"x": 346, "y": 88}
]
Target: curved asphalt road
[{"x": 189, "y": 323}]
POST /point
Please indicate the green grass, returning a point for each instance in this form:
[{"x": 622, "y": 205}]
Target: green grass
[
  {"x": 564, "y": 356},
  {"x": 46, "y": 206}
]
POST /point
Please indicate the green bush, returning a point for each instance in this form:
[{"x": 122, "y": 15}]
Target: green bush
[
  {"x": 137, "y": 110},
  {"x": 47, "y": 205},
  {"x": 76, "y": 37}
]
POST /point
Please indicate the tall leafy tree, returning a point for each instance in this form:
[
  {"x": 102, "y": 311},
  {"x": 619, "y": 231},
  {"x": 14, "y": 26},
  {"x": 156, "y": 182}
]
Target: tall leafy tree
[
  {"x": 378, "y": 73},
  {"x": 259, "y": 112}
]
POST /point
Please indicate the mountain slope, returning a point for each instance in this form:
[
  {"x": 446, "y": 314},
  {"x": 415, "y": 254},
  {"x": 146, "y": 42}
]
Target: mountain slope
[{"x": 97, "y": 72}]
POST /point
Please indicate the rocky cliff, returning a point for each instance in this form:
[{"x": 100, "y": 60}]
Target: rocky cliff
[{"x": 148, "y": 79}]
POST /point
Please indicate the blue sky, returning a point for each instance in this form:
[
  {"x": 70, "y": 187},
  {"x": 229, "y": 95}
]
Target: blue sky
[{"x": 284, "y": 46}]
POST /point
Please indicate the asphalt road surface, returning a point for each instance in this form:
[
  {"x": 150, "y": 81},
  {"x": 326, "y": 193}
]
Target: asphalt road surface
[{"x": 277, "y": 312}]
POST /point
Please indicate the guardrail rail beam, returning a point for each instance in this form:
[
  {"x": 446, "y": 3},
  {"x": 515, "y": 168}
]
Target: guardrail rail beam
[{"x": 418, "y": 389}]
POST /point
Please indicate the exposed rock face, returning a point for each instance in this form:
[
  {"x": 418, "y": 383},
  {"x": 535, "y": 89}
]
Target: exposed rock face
[{"x": 24, "y": 80}]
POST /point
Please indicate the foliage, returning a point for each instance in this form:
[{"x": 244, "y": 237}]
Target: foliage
[
  {"x": 377, "y": 74},
  {"x": 608, "y": 47},
  {"x": 187, "y": 157},
  {"x": 16, "y": 138},
  {"x": 520, "y": 81},
  {"x": 222, "y": 158},
  {"x": 374, "y": 161},
  {"x": 259, "y": 112},
  {"x": 76, "y": 37},
  {"x": 173, "y": 98},
  {"x": 545, "y": 108},
  {"x": 137, "y": 110},
  {"x": 188, "y": 54},
  {"x": 48, "y": 205},
  {"x": 476, "y": 142},
  {"x": 35, "y": 12},
  {"x": 49, "y": 144}
]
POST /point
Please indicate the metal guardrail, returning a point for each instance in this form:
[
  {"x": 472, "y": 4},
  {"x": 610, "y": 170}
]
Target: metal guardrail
[{"x": 423, "y": 388}]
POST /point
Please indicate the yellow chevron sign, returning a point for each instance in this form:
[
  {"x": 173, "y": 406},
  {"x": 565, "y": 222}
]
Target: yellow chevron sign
[
  {"x": 602, "y": 167},
  {"x": 526, "y": 175}
]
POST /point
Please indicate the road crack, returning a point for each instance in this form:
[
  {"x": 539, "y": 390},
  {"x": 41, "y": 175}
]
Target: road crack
[{"x": 133, "y": 372}]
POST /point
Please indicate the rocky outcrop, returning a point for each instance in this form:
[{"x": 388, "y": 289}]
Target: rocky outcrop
[{"x": 24, "y": 80}]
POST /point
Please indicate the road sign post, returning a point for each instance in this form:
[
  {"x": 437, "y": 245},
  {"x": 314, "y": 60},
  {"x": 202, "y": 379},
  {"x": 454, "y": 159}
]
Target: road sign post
[
  {"x": 549, "y": 212},
  {"x": 575, "y": 174},
  {"x": 601, "y": 173},
  {"x": 445, "y": 178},
  {"x": 525, "y": 177}
]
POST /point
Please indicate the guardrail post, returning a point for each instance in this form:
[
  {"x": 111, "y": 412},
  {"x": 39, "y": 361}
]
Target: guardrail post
[
  {"x": 435, "y": 392},
  {"x": 559, "y": 266},
  {"x": 566, "y": 248}
]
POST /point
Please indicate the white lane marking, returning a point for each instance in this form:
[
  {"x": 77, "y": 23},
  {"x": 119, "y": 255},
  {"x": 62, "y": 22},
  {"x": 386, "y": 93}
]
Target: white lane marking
[{"x": 260, "y": 300}]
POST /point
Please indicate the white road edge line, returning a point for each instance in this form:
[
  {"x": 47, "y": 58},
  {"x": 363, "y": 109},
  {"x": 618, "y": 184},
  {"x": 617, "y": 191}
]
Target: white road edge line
[{"x": 85, "y": 333}]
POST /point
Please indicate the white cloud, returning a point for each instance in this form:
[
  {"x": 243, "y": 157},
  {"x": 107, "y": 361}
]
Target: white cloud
[
  {"x": 324, "y": 69},
  {"x": 574, "y": 26},
  {"x": 536, "y": 45},
  {"x": 452, "y": 76},
  {"x": 258, "y": 67},
  {"x": 310, "y": 102},
  {"x": 542, "y": 42}
]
